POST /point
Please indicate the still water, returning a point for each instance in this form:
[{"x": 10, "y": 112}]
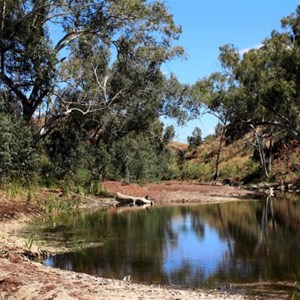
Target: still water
[{"x": 194, "y": 246}]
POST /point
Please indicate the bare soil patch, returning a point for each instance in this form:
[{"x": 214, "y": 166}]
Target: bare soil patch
[
  {"x": 177, "y": 192},
  {"x": 21, "y": 278}
]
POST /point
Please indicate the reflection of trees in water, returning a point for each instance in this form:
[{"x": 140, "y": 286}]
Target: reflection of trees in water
[
  {"x": 264, "y": 235},
  {"x": 263, "y": 239},
  {"x": 141, "y": 237},
  {"x": 141, "y": 243},
  {"x": 267, "y": 214},
  {"x": 225, "y": 230},
  {"x": 198, "y": 226},
  {"x": 171, "y": 235},
  {"x": 72, "y": 229},
  {"x": 197, "y": 223}
]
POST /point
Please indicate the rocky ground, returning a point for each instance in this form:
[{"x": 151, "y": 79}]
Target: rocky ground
[{"x": 22, "y": 278}]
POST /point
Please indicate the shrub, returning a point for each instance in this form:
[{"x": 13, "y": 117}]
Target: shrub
[
  {"x": 18, "y": 152},
  {"x": 47, "y": 175},
  {"x": 134, "y": 159},
  {"x": 101, "y": 162},
  {"x": 64, "y": 150},
  {"x": 196, "y": 139}
]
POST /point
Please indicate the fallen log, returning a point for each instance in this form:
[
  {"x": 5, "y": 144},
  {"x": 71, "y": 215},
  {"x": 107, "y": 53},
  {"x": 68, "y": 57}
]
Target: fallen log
[{"x": 131, "y": 200}]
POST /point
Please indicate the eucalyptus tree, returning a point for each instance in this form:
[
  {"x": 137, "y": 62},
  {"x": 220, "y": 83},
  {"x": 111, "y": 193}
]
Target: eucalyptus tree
[
  {"x": 105, "y": 57},
  {"x": 260, "y": 88},
  {"x": 217, "y": 94},
  {"x": 269, "y": 84},
  {"x": 268, "y": 80}
]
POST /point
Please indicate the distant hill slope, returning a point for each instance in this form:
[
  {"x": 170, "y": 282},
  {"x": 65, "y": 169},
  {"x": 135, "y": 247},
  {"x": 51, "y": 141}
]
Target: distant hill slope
[{"x": 239, "y": 162}]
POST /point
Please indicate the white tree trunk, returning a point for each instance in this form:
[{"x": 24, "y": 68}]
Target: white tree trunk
[{"x": 260, "y": 146}]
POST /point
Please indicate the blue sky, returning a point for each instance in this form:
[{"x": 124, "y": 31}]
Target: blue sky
[{"x": 208, "y": 24}]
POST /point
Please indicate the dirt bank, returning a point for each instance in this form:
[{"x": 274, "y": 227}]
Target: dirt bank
[
  {"x": 178, "y": 192},
  {"x": 21, "y": 278}
]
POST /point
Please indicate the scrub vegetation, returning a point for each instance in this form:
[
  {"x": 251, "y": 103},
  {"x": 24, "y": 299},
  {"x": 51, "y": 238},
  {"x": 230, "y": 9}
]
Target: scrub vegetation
[{"x": 87, "y": 104}]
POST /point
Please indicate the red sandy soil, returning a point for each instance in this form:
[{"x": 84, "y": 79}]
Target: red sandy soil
[{"x": 180, "y": 192}]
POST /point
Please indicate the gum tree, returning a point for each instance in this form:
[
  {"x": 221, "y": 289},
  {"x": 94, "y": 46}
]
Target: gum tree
[
  {"x": 259, "y": 89},
  {"x": 80, "y": 69}
]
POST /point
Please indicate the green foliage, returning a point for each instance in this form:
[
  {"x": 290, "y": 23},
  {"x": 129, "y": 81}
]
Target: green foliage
[
  {"x": 82, "y": 177},
  {"x": 232, "y": 171},
  {"x": 29, "y": 196},
  {"x": 97, "y": 189},
  {"x": 169, "y": 134},
  {"x": 28, "y": 244},
  {"x": 196, "y": 139},
  {"x": 181, "y": 163},
  {"x": 134, "y": 159},
  {"x": 63, "y": 147},
  {"x": 101, "y": 161},
  {"x": 192, "y": 171},
  {"x": 13, "y": 190},
  {"x": 199, "y": 171},
  {"x": 47, "y": 174},
  {"x": 95, "y": 80},
  {"x": 97, "y": 110},
  {"x": 218, "y": 129},
  {"x": 18, "y": 154},
  {"x": 261, "y": 88}
]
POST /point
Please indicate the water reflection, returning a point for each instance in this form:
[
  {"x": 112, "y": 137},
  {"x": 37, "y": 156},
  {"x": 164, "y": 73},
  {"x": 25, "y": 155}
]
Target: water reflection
[
  {"x": 194, "y": 255},
  {"x": 194, "y": 246}
]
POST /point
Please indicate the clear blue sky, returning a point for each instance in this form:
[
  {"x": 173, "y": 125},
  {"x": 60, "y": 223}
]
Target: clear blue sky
[{"x": 208, "y": 24}]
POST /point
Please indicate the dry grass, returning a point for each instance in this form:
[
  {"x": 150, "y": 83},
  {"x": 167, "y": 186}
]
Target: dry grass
[{"x": 237, "y": 163}]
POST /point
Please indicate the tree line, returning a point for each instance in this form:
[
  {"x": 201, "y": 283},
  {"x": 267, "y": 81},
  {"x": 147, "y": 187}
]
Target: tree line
[
  {"x": 258, "y": 91},
  {"x": 82, "y": 93}
]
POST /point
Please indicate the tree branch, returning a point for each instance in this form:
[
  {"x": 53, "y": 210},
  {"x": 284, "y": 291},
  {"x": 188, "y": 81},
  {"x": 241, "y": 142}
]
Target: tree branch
[
  {"x": 293, "y": 131},
  {"x": 69, "y": 37},
  {"x": 13, "y": 87}
]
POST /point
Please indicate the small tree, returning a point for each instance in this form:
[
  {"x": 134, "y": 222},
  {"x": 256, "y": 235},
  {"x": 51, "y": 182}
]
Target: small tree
[
  {"x": 219, "y": 129},
  {"x": 196, "y": 139},
  {"x": 181, "y": 163},
  {"x": 134, "y": 158},
  {"x": 169, "y": 134}
]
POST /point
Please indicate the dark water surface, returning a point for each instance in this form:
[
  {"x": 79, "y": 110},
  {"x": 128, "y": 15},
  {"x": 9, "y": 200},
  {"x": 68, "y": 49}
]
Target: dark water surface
[{"x": 195, "y": 246}]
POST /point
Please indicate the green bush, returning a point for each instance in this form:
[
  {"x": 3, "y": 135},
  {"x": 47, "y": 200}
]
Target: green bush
[
  {"x": 196, "y": 139},
  {"x": 47, "y": 175},
  {"x": 134, "y": 158},
  {"x": 18, "y": 153},
  {"x": 101, "y": 162},
  {"x": 65, "y": 151}
]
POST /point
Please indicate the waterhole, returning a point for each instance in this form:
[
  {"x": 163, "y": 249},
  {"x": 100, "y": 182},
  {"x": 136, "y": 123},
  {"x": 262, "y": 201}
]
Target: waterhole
[{"x": 192, "y": 246}]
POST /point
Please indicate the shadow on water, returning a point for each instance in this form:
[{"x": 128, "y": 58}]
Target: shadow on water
[{"x": 236, "y": 245}]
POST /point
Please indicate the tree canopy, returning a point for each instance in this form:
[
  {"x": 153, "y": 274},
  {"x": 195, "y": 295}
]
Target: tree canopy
[
  {"x": 257, "y": 89},
  {"x": 84, "y": 77},
  {"x": 83, "y": 80},
  {"x": 260, "y": 87},
  {"x": 106, "y": 58}
]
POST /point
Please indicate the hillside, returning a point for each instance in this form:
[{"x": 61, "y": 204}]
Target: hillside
[{"x": 239, "y": 161}]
